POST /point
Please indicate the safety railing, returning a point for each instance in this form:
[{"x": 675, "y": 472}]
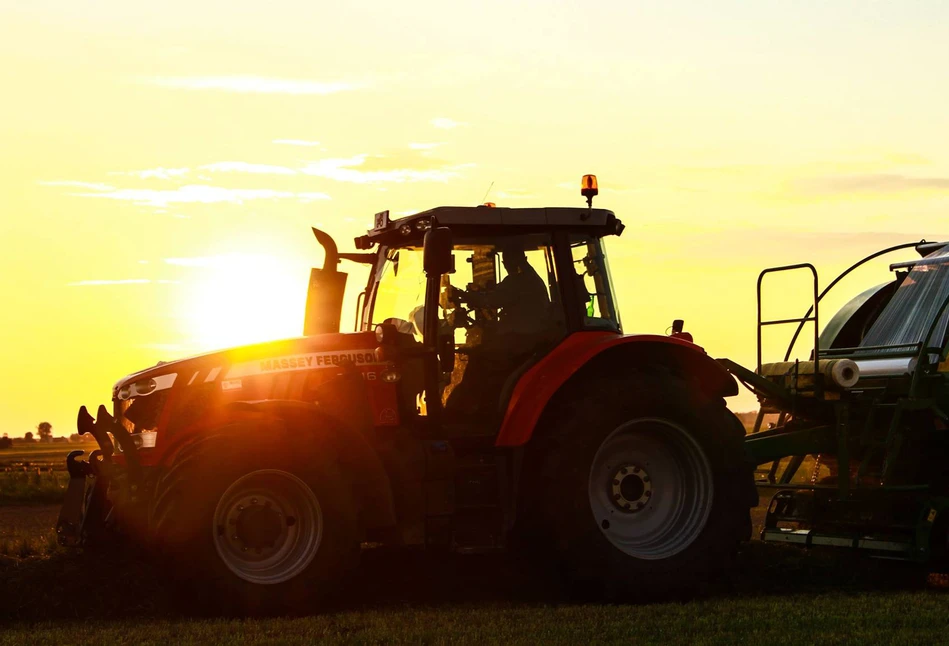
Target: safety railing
[{"x": 811, "y": 316}]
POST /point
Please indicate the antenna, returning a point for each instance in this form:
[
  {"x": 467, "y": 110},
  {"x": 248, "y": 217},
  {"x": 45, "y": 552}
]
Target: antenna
[{"x": 487, "y": 192}]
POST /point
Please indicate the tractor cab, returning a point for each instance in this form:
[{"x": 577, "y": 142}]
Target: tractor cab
[{"x": 516, "y": 283}]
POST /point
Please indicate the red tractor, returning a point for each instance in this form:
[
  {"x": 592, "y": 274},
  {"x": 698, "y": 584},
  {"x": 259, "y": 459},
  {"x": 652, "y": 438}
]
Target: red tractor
[{"x": 488, "y": 398}]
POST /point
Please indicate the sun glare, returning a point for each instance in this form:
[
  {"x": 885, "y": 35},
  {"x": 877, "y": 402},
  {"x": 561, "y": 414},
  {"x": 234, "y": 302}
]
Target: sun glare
[{"x": 244, "y": 298}]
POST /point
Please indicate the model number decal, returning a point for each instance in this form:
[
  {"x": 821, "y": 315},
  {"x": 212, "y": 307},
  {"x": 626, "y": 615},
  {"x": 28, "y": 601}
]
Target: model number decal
[{"x": 301, "y": 362}]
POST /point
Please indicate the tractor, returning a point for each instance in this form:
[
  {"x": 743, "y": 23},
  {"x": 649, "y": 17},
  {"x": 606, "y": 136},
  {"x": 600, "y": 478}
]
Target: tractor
[
  {"x": 856, "y": 457},
  {"x": 487, "y": 400}
]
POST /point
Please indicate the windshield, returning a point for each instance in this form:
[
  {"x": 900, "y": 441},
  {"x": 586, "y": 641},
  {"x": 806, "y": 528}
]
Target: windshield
[
  {"x": 480, "y": 296},
  {"x": 399, "y": 290}
]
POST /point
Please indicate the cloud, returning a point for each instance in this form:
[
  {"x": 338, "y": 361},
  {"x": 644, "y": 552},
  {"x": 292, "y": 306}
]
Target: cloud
[
  {"x": 348, "y": 170},
  {"x": 87, "y": 185},
  {"x": 877, "y": 183},
  {"x": 296, "y": 142},
  {"x": 202, "y": 194},
  {"x": 426, "y": 146},
  {"x": 123, "y": 281},
  {"x": 907, "y": 159},
  {"x": 224, "y": 260},
  {"x": 445, "y": 123},
  {"x": 155, "y": 173},
  {"x": 253, "y": 84},
  {"x": 245, "y": 167}
]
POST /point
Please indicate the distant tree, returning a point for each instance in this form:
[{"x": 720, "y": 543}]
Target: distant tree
[
  {"x": 45, "y": 429},
  {"x": 5, "y": 442},
  {"x": 28, "y": 437}
]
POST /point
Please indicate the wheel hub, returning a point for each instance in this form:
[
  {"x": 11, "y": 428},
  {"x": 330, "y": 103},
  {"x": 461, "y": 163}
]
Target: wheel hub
[
  {"x": 650, "y": 488},
  {"x": 259, "y": 526},
  {"x": 630, "y": 488},
  {"x": 268, "y": 526}
]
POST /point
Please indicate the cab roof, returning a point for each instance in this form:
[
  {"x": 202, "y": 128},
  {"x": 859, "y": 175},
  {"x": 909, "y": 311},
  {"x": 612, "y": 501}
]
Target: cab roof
[{"x": 490, "y": 221}]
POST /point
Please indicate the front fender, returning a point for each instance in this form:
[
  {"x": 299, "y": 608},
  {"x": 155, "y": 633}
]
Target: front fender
[
  {"x": 542, "y": 382},
  {"x": 309, "y": 423},
  {"x": 370, "y": 480}
]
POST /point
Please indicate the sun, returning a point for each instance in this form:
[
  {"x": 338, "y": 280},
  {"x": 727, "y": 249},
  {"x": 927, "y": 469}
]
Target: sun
[{"x": 245, "y": 298}]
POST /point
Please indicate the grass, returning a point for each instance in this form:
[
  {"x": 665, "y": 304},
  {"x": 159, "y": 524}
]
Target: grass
[
  {"x": 35, "y": 486},
  {"x": 901, "y": 618},
  {"x": 25, "y": 547},
  {"x": 35, "y": 474},
  {"x": 42, "y": 455},
  {"x": 772, "y": 596}
]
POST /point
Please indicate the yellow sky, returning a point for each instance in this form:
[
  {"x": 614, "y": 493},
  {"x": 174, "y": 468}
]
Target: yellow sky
[{"x": 160, "y": 163}]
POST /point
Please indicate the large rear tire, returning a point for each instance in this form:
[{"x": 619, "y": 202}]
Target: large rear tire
[
  {"x": 255, "y": 526},
  {"x": 643, "y": 485}
]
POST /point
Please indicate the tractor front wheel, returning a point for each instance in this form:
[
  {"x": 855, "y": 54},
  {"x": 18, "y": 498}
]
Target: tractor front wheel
[{"x": 255, "y": 525}]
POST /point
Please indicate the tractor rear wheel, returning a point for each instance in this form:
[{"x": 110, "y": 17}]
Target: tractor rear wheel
[
  {"x": 253, "y": 527},
  {"x": 644, "y": 485}
]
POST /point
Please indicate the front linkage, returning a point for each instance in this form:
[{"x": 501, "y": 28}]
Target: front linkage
[{"x": 87, "y": 509}]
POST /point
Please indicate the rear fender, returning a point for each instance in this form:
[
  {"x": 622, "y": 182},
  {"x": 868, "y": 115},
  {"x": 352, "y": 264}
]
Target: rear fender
[{"x": 585, "y": 354}]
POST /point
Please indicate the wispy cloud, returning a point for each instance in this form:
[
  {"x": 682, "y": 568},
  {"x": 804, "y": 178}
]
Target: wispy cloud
[
  {"x": 876, "y": 183},
  {"x": 426, "y": 146},
  {"x": 253, "y": 84},
  {"x": 349, "y": 170},
  {"x": 123, "y": 281},
  {"x": 444, "y": 123},
  {"x": 72, "y": 184},
  {"x": 245, "y": 167},
  {"x": 296, "y": 142},
  {"x": 201, "y": 194},
  {"x": 155, "y": 173},
  {"x": 224, "y": 260}
]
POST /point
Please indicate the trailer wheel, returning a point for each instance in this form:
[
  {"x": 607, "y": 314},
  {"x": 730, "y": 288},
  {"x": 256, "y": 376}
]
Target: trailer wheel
[
  {"x": 255, "y": 530},
  {"x": 643, "y": 486}
]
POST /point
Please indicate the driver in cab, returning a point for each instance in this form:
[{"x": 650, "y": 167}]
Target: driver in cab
[
  {"x": 522, "y": 306},
  {"x": 520, "y": 298}
]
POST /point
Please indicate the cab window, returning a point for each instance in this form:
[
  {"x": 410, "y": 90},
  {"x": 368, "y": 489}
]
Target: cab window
[{"x": 591, "y": 273}]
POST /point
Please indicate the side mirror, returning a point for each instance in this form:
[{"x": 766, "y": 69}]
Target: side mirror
[{"x": 437, "y": 258}]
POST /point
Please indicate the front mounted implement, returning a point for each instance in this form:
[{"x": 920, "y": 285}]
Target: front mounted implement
[{"x": 94, "y": 484}]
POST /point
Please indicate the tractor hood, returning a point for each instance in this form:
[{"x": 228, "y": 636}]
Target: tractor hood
[{"x": 231, "y": 366}]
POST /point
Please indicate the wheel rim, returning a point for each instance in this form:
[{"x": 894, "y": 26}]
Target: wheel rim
[
  {"x": 267, "y": 526},
  {"x": 650, "y": 488}
]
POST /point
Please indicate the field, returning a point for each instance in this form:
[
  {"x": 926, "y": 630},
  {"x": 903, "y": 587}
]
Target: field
[
  {"x": 35, "y": 474},
  {"x": 771, "y": 596}
]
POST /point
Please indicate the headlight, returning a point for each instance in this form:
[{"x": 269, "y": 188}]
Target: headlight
[
  {"x": 144, "y": 440},
  {"x": 144, "y": 387}
]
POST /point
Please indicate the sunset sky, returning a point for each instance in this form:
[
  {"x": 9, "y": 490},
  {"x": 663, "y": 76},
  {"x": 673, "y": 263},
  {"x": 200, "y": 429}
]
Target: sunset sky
[{"x": 161, "y": 163}]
